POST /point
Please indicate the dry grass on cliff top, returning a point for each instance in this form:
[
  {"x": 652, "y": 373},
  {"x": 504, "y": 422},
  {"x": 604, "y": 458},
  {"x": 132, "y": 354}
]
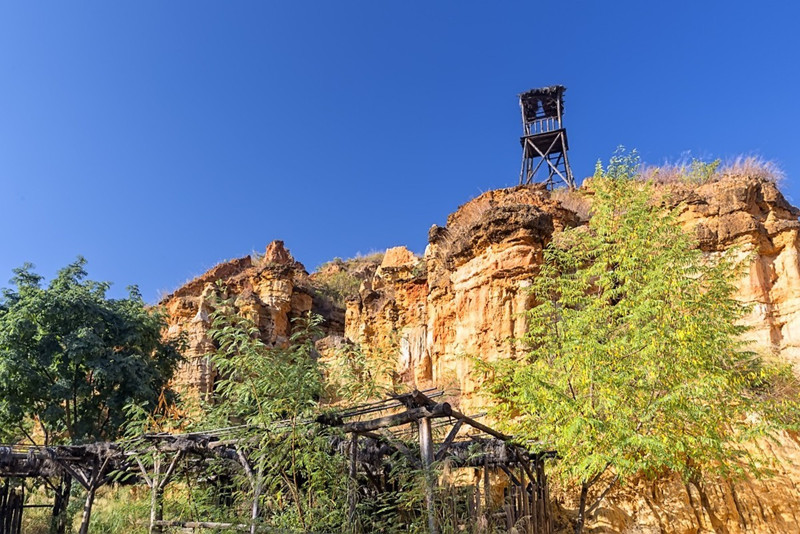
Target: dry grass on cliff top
[
  {"x": 689, "y": 172},
  {"x": 575, "y": 201},
  {"x": 697, "y": 172}
]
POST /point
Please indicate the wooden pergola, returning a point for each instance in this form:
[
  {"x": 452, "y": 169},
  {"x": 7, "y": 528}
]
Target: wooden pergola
[
  {"x": 90, "y": 465},
  {"x": 417, "y": 426},
  {"x": 526, "y": 499}
]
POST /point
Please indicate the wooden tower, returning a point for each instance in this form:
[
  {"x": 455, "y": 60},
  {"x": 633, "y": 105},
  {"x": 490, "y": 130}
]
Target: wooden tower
[{"x": 544, "y": 138}]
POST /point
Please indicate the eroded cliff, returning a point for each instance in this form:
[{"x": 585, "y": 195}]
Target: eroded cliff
[
  {"x": 469, "y": 301},
  {"x": 271, "y": 290},
  {"x": 464, "y": 300}
]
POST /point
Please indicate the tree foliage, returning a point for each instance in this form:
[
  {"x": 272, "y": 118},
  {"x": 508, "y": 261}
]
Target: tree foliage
[
  {"x": 268, "y": 400},
  {"x": 274, "y": 393},
  {"x": 636, "y": 363},
  {"x": 71, "y": 358}
]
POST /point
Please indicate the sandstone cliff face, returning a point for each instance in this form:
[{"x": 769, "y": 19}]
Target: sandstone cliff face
[
  {"x": 270, "y": 290},
  {"x": 464, "y": 299},
  {"x": 752, "y": 215},
  {"x": 770, "y": 505},
  {"x": 466, "y": 296}
]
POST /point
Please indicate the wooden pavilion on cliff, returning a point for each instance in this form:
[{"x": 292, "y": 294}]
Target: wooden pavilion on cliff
[{"x": 544, "y": 138}]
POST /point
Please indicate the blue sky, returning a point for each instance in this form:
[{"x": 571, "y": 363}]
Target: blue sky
[{"x": 159, "y": 138}]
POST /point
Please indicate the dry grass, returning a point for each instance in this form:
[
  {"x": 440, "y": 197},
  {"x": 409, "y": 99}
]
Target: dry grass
[
  {"x": 460, "y": 228},
  {"x": 755, "y": 167},
  {"x": 573, "y": 200},
  {"x": 698, "y": 172},
  {"x": 339, "y": 279},
  {"x": 693, "y": 172}
]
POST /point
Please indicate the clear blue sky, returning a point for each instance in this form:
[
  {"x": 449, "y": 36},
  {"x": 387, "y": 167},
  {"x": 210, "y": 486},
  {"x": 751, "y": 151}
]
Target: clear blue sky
[{"x": 158, "y": 138}]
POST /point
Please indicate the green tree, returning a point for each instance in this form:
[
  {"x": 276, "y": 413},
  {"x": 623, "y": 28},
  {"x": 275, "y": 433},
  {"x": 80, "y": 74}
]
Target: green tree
[
  {"x": 71, "y": 358},
  {"x": 636, "y": 365},
  {"x": 268, "y": 399}
]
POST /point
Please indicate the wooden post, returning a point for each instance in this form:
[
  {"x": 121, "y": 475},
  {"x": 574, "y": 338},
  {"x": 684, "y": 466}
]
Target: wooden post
[
  {"x": 255, "y": 479},
  {"x": 157, "y": 481},
  {"x": 545, "y": 496},
  {"x": 352, "y": 495},
  {"x": 486, "y": 487},
  {"x": 426, "y": 452},
  {"x": 87, "y": 509},
  {"x": 3, "y": 503},
  {"x": 91, "y": 484},
  {"x": 156, "y": 508},
  {"x": 60, "y": 502},
  {"x": 487, "y": 496},
  {"x": 256, "y": 496}
]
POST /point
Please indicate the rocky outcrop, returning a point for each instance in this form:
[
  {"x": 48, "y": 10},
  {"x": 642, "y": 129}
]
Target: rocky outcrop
[
  {"x": 465, "y": 300},
  {"x": 271, "y": 290},
  {"x": 752, "y": 216}
]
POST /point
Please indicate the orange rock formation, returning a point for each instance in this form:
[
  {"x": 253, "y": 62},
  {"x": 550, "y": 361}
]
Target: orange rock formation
[{"x": 464, "y": 299}]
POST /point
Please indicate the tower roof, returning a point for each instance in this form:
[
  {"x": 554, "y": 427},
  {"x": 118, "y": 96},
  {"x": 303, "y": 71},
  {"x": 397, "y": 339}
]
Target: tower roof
[{"x": 542, "y": 102}]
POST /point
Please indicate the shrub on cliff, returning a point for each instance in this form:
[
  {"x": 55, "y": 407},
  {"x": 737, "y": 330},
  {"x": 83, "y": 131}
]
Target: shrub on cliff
[
  {"x": 636, "y": 364},
  {"x": 339, "y": 279},
  {"x": 71, "y": 358}
]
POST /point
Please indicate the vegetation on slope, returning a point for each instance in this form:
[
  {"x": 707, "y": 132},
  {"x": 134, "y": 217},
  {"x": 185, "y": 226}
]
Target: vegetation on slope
[
  {"x": 636, "y": 365},
  {"x": 635, "y": 370},
  {"x": 339, "y": 279},
  {"x": 269, "y": 398}
]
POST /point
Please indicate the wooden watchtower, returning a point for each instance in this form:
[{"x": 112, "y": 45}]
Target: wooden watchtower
[{"x": 544, "y": 138}]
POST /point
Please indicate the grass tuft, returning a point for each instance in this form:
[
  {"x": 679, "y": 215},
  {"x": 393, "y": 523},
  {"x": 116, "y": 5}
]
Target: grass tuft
[{"x": 697, "y": 172}]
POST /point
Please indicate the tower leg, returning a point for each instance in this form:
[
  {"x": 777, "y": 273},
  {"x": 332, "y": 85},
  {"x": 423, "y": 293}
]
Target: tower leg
[
  {"x": 522, "y": 168},
  {"x": 570, "y": 179}
]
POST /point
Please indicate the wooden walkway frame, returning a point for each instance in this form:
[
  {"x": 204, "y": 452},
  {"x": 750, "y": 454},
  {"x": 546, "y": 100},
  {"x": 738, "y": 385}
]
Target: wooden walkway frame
[
  {"x": 526, "y": 505},
  {"x": 368, "y": 443},
  {"x": 90, "y": 465}
]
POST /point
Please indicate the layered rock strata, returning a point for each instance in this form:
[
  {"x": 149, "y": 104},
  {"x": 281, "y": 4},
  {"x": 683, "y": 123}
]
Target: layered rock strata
[
  {"x": 464, "y": 300},
  {"x": 270, "y": 290}
]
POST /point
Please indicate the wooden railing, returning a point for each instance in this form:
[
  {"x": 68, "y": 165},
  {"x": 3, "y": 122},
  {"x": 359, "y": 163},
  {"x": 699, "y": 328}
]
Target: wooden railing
[{"x": 543, "y": 125}]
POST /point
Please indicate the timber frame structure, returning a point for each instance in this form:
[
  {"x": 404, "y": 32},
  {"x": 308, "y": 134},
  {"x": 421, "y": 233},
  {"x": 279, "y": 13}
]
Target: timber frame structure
[
  {"x": 544, "y": 138},
  {"x": 508, "y": 487}
]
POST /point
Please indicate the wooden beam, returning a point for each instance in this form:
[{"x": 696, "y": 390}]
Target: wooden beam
[
  {"x": 399, "y": 445},
  {"x": 438, "y": 410},
  {"x": 480, "y": 426},
  {"x": 449, "y": 439},
  {"x": 171, "y": 469},
  {"x": 510, "y": 474},
  {"x": 203, "y": 524}
]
